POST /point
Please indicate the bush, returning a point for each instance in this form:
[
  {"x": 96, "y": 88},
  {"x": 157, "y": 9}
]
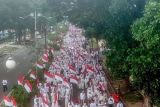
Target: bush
[
  {"x": 20, "y": 95},
  {"x": 155, "y": 101}
]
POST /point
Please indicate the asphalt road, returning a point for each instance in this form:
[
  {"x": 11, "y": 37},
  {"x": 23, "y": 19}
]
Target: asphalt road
[{"x": 24, "y": 58}]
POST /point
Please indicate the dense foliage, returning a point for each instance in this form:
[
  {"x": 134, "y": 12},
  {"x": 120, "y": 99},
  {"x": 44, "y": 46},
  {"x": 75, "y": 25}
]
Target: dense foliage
[{"x": 144, "y": 58}]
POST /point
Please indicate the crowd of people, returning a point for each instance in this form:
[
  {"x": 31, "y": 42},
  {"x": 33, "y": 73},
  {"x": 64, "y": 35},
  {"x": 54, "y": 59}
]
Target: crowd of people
[{"x": 75, "y": 77}]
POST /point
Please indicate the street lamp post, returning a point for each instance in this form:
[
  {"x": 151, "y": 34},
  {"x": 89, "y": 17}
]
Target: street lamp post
[
  {"x": 45, "y": 35},
  {"x": 10, "y": 63},
  {"x": 35, "y": 26},
  {"x": 36, "y": 15}
]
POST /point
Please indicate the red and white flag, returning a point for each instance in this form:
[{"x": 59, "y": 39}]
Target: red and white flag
[
  {"x": 102, "y": 86},
  {"x": 89, "y": 69},
  {"x": 7, "y": 101},
  {"x": 33, "y": 74},
  {"x": 13, "y": 101},
  {"x": 72, "y": 69},
  {"x": 48, "y": 75},
  {"x": 28, "y": 86},
  {"x": 45, "y": 57},
  {"x": 45, "y": 100},
  {"x": 80, "y": 57},
  {"x": 58, "y": 76},
  {"x": 74, "y": 79},
  {"x": 55, "y": 102},
  {"x": 39, "y": 65},
  {"x": 20, "y": 79},
  {"x": 66, "y": 83}
]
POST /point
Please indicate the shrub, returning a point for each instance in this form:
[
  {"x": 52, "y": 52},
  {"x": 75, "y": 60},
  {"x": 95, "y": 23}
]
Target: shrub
[{"x": 20, "y": 95}]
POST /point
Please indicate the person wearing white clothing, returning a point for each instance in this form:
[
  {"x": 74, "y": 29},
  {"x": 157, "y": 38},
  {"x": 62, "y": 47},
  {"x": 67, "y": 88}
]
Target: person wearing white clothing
[
  {"x": 66, "y": 99},
  {"x": 110, "y": 101},
  {"x": 36, "y": 101},
  {"x": 70, "y": 104},
  {"x": 4, "y": 84},
  {"x": 84, "y": 105},
  {"x": 120, "y": 104},
  {"x": 93, "y": 104},
  {"x": 77, "y": 105},
  {"x": 82, "y": 97}
]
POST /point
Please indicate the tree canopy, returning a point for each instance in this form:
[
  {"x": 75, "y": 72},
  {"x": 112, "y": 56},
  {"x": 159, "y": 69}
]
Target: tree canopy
[{"x": 144, "y": 58}]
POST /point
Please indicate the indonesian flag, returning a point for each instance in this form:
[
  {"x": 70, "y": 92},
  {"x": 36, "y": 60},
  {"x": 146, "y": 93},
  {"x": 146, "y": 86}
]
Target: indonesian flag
[
  {"x": 28, "y": 86},
  {"x": 66, "y": 83},
  {"x": 80, "y": 57},
  {"x": 55, "y": 103},
  {"x": 45, "y": 58},
  {"x": 89, "y": 69},
  {"x": 58, "y": 76},
  {"x": 102, "y": 86},
  {"x": 49, "y": 76},
  {"x": 20, "y": 79},
  {"x": 13, "y": 101},
  {"x": 7, "y": 101},
  {"x": 39, "y": 65},
  {"x": 72, "y": 69},
  {"x": 74, "y": 79},
  {"x": 33, "y": 74},
  {"x": 45, "y": 100}
]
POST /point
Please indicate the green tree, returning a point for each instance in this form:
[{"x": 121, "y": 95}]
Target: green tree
[
  {"x": 122, "y": 13},
  {"x": 144, "y": 58}
]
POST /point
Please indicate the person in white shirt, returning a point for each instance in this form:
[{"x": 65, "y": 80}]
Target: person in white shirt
[
  {"x": 66, "y": 99},
  {"x": 82, "y": 97},
  {"x": 89, "y": 94},
  {"x": 4, "y": 84},
  {"x": 84, "y": 105},
  {"x": 120, "y": 104},
  {"x": 70, "y": 104},
  {"x": 92, "y": 104},
  {"x": 77, "y": 105},
  {"x": 36, "y": 101},
  {"x": 110, "y": 101}
]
